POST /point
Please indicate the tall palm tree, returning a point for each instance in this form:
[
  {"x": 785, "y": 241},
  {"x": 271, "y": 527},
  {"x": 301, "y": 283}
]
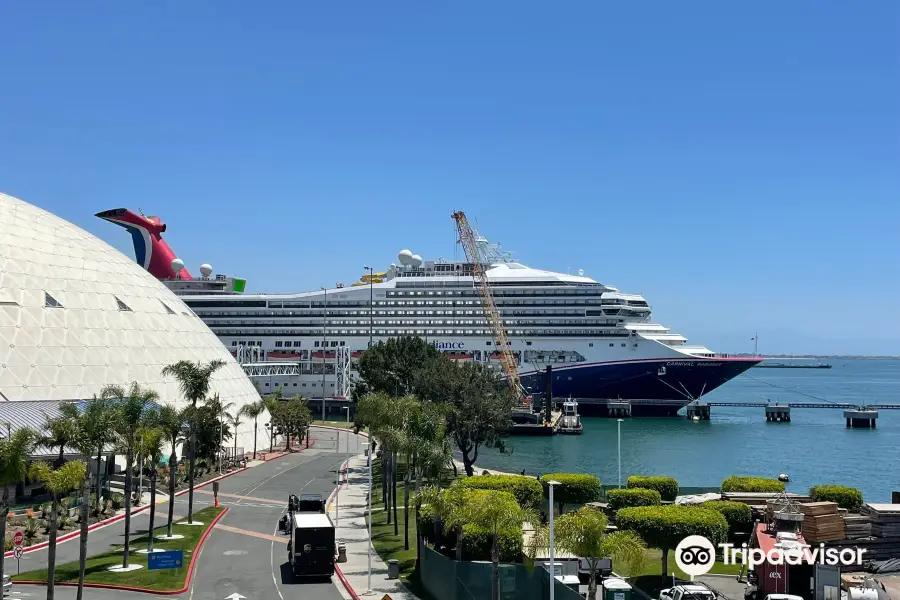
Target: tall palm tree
[
  {"x": 94, "y": 430},
  {"x": 253, "y": 411},
  {"x": 59, "y": 481},
  {"x": 221, "y": 411},
  {"x": 61, "y": 432},
  {"x": 194, "y": 379},
  {"x": 150, "y": 441},
  {"x": 14, "y": 453},
  {"x": 133, "y": 408},
  {"x": 171, "y": 422},
  {"x": 234, "y": 421},
  {"x": 271, "y": 403},
  {"x": 583, "y": 533}
]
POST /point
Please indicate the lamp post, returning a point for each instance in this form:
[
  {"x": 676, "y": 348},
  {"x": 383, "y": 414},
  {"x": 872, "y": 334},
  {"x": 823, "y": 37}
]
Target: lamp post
[
  {"x": 551, "y": 484},
  {"x": 619, "y": 448},
  {"x": 271, "y": 443},
  {"x": 324, "y": 341},
  {"x": 369, "y": 508},
  {"x": 371, "y": 304},
  {"x": 347, "y": 408}
]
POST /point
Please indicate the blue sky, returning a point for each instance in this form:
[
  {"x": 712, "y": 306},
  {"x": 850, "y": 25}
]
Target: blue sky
[{"x": 737, "y": 163}]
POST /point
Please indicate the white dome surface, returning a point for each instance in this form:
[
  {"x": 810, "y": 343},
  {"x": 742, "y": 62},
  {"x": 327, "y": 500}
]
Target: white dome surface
[{"x": 76, "y": 314}]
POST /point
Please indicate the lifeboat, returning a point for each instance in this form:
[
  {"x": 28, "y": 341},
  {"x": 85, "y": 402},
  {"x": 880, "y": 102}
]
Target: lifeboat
[
  {"x": 318, "y": 355},
  {"x": 282, "y": 354},
  {"x": 356, "y": 355},
  {"x": 460, "y": 356}
]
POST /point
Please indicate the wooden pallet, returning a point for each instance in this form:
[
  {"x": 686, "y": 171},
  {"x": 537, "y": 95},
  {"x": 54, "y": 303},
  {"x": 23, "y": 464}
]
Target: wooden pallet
[{"x": 816, "y": 509}]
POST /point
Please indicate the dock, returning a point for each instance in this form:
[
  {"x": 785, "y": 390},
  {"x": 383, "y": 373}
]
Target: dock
[{"x": 855, "y": 416}]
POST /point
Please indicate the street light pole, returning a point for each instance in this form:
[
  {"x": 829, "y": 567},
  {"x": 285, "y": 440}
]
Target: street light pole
[
  {"x": 551, "y": 485},
  {"x": 347, "y": 408},
  {"x": 324, "y": 338},
  {"x": 371, "y": 304},
  {"x": 619, "y": 449},
  {"x": 369, "y": 502}
]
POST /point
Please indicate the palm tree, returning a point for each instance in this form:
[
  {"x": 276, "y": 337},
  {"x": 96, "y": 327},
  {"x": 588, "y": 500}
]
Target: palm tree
[
  {"x": 14, "y": 453},
  {"x": 271, "y": 403},
  {"x": 583, "y": 533},
  {"x": 94, "y": 430},
  {"x": 171, "y": 422},
  {"x": 194, "y": 380},
  {"x": 252, "y": 411},
  {"x": 221, "y": 411},
  {"x": 131, "y": 415},
  {"x": 497, "y": 515},
  {"x": 234, "y": 421},
  {"x": 150, "y": 441},
  {"x": 61, "y": 432},
  {"x": 62, "y": 480}
]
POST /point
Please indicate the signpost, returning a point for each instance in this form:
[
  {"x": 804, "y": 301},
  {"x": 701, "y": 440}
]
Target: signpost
[
  {"x": 18, "y": 539},
  {"x": 172, "y": 559},
  {"x": 216, "y": 493}
]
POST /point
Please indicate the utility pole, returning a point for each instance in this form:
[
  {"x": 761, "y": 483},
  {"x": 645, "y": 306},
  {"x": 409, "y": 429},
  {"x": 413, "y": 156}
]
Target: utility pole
[{"x": 324, "y": 341}]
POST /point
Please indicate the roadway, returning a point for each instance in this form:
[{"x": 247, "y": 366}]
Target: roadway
[{"x": 244, "y": 554}]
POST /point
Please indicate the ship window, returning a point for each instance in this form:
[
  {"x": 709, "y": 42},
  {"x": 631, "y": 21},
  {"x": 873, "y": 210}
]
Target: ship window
[
  {"x": 295, "y": 385},
  {"x": 303, "y": 385},
  {"x": 611, "y": 345},
  {"x": 623, "y": 345},
  {"x": 51, "y": 302},
  {"x": 487, "y": 343},
  {"x": 527, "y": 343},
  {"x": 234, "y": 343}
]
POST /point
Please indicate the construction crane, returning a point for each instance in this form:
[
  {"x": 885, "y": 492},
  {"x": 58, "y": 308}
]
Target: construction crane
[{"x": 474, "y": 255}]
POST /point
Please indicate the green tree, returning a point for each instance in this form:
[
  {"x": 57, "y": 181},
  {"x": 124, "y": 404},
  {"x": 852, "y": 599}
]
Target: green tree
[
  {"x": 59, "y": 481},
  {"x": 15, "y": 451},
  {"x": 171, "y": 422},
  {"x": 220, "y": 409},
  {"x": 496, "y": 513},
  {"x": 132, "y": 407},
  {"x": 583, "y": 533},
  {"x": 383, "y": 415},
  {"x": 395, "y": 367},
  {"x": 60, "y": 433},
  {"x": 451, "y": 507},
  {"x": 194, "y": 380},
  {"x": 573, "y": 488},
  {"x": 664, "y": 526},
  {"x": 293, "y": 417},
  {"x": 150, "y": 442},
  {"x": 235, "y": 421},
  {"x": 94, "y": 427},
  {"x": 253, "y": 411},
  {"x": 480, "y": 405}
]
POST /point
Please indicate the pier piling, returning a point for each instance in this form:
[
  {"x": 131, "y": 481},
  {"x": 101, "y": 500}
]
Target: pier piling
[
  {"x": 861, "y": 418},
  {"x": 618, "y": 408},
  {"x": 700, "y": 410},
  {"x": 778, "y": 414}
]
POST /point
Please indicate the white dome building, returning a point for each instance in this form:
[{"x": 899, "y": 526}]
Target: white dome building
[{"x": 76, "y": 314}]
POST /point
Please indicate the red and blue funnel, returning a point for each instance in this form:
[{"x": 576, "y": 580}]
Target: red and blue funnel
[{"x": 150, "y": 250}]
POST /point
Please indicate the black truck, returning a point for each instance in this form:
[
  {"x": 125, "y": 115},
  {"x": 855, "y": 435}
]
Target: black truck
[{"x": 311, "y": 549}]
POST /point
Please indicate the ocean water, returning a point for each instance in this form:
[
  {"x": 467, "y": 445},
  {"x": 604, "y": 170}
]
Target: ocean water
[{"x": 814, "y": 448}]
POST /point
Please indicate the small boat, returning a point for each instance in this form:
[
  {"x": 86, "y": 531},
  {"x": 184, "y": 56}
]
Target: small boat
[{"x": 570, "y": 421}]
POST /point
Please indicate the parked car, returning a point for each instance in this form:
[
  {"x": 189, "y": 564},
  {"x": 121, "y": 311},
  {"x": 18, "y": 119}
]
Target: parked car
[{"x": 687, "y": 592}]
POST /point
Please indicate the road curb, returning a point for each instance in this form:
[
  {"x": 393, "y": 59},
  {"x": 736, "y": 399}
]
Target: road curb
[
  {"x": 112, "y": 520},
  {"x": 337, "y": 569},
  {"x": 362, "y": 433},
  {"x": 128, "y": 588}
]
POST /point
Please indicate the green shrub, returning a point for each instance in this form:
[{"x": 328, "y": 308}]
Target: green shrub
[
  {"x": 574, "y": 488},
  {"x": 747, "y": 483},
  {"x": 477, "y": 543},
  {"x": 527, "y": 490},
  {"x": 619, "y": 499},
  {"x": 31, "y": 529},
  {"x": 845, "y": 497},
  {"x": 10, "y": 544},
  {"x": 737, "y": 514},
  {"x": 666, "y": 486},
  {"x": 117, "y": 500},
  {"x": 664, "y": 526}
]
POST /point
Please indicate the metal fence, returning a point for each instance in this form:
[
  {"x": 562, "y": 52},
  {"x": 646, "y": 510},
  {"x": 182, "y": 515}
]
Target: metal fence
[{"x": 446, "y": 579}]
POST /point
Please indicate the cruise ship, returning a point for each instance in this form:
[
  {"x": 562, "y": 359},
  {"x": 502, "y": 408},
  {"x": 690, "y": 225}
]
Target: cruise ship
[{"x": 600, "y": 342}]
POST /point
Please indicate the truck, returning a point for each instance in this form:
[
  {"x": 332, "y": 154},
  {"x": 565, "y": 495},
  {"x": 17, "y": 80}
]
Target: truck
[
  {"x": 687, "y": 592},
  {"x": 311, "y": 548}
]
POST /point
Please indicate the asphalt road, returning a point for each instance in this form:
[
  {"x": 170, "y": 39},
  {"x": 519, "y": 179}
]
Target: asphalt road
[{"x": 244, "y": 554}]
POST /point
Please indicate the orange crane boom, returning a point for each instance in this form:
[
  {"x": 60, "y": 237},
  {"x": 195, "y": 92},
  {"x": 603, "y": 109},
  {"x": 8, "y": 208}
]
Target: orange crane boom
[{"x": 474, "y": 256}]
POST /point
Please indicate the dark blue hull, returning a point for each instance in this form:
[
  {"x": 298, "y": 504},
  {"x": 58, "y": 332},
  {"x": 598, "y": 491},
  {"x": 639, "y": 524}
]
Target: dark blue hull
[{"x": 659, "y": 387}]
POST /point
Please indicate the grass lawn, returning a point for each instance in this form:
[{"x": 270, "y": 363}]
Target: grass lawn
[{"x": 161, "y": 580}]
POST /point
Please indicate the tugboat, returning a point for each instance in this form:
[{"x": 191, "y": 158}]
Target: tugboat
[{"x": 570, "y": 421}]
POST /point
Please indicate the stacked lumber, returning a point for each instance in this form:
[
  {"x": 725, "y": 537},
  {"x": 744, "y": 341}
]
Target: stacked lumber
[
  {"x": 822, "y": 522},
  {"x": 857, "y": 526},
  {"x": 885, "y": 519}
]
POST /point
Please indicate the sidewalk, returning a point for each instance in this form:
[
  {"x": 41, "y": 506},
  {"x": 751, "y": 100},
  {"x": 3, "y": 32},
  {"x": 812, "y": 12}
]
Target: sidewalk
[{"x": 352, "y": 530}]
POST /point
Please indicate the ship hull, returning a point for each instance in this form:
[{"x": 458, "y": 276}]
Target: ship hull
[{"x": 655, "y": 387}]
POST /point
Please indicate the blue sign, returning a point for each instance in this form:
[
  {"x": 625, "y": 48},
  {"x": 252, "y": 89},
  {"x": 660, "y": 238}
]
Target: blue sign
[{"x": 173, "y": 559}]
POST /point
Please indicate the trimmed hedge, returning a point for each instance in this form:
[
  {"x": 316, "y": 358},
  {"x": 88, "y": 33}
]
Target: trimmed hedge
[
  {"x": 846, "y": 497},
  {"x": 619, "y": 499},
  {"x": 748, "y": 483},
  {"x": 737, "y": 514},
  {"x": 527, "y": 490},
  {"x": 664, "y": 526},
  {"x": 666, "y": 486},
  {"x": 574, "y": 488}
]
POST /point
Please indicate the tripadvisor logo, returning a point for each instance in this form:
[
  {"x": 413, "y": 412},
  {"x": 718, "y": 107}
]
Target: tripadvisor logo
[{"x": 695, "y": 555}]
